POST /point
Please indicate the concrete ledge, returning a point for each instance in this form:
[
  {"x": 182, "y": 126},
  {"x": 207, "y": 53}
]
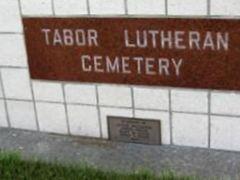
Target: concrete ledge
[{"x": 122, "y": 156}]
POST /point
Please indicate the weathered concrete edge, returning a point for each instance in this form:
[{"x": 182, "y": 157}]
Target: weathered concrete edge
[{"x": 122, "y": 156}]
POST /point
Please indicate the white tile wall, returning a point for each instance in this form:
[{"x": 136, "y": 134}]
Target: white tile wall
[
  {"x": 52, "y": 117},
  {"x": 3, "y": 116},
  {"x": 48, "y": 91},
  {"x": 16, "y": 83},
  {"x": 150, "y": 7},
  {"x": 10, "y": 20},
  {"x": 12, "y": 50},
  {"x": 70, "y": 7},
  {"x": 112, "y": 112},
  {"x": 115, "y": 95},
  {"x": 223, "y": 7},
  {"x": 157, "y": 115},
  {"x": 189, "y": 101},
  {"x": 80, "y": 93},
  {"x": 83, "y": 120},
  {"x": 107, "y": 7},
  {"x": 190, "y": 130},
  {"x": 36, "y": 7},
  {"x": 187, "y": 7},
  {"x": 148, "y": 98},
  {"x": 22, "y": 115},
  {"x": 225, "y": 103},
  {"x": 225, "y": 133}
]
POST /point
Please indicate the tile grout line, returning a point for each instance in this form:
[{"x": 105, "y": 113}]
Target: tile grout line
[
  {"x": 237, "y": 92},
  {"x": 209, "y": 119},
  {"x": 131, "y": 87},
  {"x": 53, "y": 7},
  {"x": 96, "y": 87},
  {"x": 126, "y": 7},
  {"x": 133, "y": 16},
  {"x": 5, "y": 100},
  {"x": 123, "y": 107},
  {"x": 65, "y": 108},
  {"x": 209, "y": 8},
  {"x": 11, "y": 33},
  {"x": 98, "y": 111},
  {"x": 13, "y": 67},
  {"x": 34, "y": 105},
  {"x": 170, "y": 116},
  {"x": 88, "y": 7},
  {"x": 209, "y": 91},
  {"x": 63, "y": 88},
  {"x": 166, "y": 7},
  {"x": 30, "y": 83},
  {"x": 169, "y": 93},
  {"x": 133, "y": 102}
]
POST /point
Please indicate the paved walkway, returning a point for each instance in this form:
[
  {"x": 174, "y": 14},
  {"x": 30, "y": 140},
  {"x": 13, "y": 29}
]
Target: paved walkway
[{"x": 122, "y": 156}]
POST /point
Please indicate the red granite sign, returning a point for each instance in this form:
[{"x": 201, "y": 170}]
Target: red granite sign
[{"x": 194, "y": 53}]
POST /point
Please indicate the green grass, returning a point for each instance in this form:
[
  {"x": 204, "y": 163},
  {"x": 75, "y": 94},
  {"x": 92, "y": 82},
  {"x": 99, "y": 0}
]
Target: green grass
[{"x": 13, "y": 167}]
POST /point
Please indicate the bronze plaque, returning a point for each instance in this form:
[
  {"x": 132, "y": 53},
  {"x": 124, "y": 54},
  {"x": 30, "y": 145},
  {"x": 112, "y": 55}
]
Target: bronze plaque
[
  {"x": 194, "y": 53},
  {"x": 134, "y": 130}
]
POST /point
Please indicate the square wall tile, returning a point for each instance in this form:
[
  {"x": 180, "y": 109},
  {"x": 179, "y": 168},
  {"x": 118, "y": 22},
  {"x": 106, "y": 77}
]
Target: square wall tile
[
  {"x": 190, "y": 130},
  {"x": 157, "y": 115},
  {"x": 225, "y": 103},
  {"x": 12, "y": 50},
  {"x": 112, "y": 112},
  {"x": 3, "y": 116},
  {"x": 70, "y": 7},
  {"x": 223, "y": 7},
  {"x": 115, "y": 96},
  {"x": 147, "y": 98},
  {"x": 187, "y": 7},
  {"x": 36, "y": 7},
  {"x": 16, "y": 83},
  {"x": 189, "y": 101},
  {"x": 225, "y": 133},
  {"x": 83, "y": 120},
  {"x": 48, "y": 91},
  {"x": 105, "y": 7},
  {"x": 22, "y": 115},
  {"x": 151, "y": 7},
  {"x": 52, "y": 117},
  {"x": 80, "y": 93},
  {"x": 10, "y": 19}
]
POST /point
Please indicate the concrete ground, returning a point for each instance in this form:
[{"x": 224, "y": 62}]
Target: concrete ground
[{"x": 122, "y": 156}]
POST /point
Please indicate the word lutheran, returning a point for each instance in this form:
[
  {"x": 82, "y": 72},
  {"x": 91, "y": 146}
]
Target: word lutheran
[
  {"x": 181, "y": 40},
  {"x": 189, "y": 53}
]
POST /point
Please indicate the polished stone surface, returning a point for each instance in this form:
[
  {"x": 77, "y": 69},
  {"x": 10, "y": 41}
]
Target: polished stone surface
[{"x": 176, "y": 52}]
